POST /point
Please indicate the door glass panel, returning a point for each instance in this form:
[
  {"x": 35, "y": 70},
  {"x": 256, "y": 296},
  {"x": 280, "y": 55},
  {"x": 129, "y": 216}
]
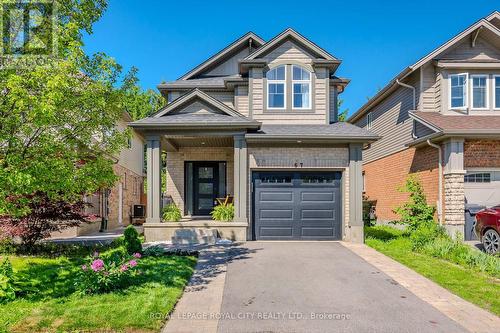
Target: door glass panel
[
  {"x": 205, "y": 203},
  {"x": 206, "y": 188},
  {"x": 206, "y": 173},
  {"x": 319, "y": 179}
]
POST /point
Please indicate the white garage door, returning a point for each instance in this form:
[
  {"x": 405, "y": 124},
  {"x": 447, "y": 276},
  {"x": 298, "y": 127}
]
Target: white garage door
[{"x": 482, "y": 187}]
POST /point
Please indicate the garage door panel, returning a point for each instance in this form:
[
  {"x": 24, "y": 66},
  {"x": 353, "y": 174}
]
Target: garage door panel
[
  {"x": 296, "y": 209},
  {"x": 276, "y": 214},
  {"x": 317, "y": 196},
  {"x": 270, "y": 196},
  {"x": 316, "y": 214}
]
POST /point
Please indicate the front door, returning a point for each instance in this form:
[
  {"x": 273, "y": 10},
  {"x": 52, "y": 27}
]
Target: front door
[{"x": 206, "y": 181}]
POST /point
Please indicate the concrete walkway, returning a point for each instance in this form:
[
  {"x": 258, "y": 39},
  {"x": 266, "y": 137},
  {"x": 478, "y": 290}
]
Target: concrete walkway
[{"x": 317, "y": 287}]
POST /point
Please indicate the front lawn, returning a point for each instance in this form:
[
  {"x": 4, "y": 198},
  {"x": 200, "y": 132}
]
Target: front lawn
[
  {"x": 47, "y": 300},
  {"x": 478, "y": 287}
]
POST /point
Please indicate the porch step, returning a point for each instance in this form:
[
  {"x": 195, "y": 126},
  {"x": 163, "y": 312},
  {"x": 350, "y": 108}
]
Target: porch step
[{"x": 194, "y": 236}]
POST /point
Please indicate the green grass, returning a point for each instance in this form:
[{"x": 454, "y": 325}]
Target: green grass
[
  {"x": 476, "y": 287},
  {"x": 48, "y": 302}
]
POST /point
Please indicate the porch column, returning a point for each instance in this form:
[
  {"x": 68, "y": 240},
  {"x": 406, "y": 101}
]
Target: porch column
[
  {"x": 454, "y": 191},
  {"x": 354, "y": 232},
  {"x": 240, "y": 179},
  {"x": 153, "y": 179}
]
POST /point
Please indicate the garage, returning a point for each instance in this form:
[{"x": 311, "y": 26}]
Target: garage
[
  {"x": 290, "y": 205},
  {"x": 482, "y": 187}
]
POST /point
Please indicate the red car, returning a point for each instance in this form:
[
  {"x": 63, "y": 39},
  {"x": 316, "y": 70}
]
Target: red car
[{"x": 487, "y": 228}]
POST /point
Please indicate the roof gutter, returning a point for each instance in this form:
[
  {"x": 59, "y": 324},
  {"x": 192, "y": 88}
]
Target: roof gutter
[{"x": 440, "y": 189}]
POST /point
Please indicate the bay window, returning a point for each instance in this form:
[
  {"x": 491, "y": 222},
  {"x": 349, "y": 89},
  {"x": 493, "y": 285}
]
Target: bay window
[
  {"x": 276, "y": 88},
  {"x": 479, "y": 87},
  {"x": 458, "y": 91}
]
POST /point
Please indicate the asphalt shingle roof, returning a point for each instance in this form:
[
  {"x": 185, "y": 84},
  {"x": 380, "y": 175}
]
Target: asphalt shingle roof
[{"x": 455, "y": 123}]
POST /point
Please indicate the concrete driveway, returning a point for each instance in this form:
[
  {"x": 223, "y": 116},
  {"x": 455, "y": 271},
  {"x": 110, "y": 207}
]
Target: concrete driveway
[{"x": 318, "y": 287}]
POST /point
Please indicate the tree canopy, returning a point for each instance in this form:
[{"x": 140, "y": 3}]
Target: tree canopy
[{"x": 58, "y": 132}]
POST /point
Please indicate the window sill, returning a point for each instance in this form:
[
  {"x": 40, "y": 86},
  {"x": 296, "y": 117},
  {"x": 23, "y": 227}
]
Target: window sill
[{"x": 289, "y": 111}]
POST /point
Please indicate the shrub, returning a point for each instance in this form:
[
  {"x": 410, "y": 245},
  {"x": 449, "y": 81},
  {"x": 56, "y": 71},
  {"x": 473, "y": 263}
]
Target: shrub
[
  {"x": 45, "y": 216},
  {"x": 154, "y": 251},
  {"x": 415, "y": 212},
  {"x": 131, "y": 240},
  {"x": 7, "y": 292},
  {"x": 224, "y": 212},
  {"x": 102, "y": 274},
  {"x": 171, "y": 213},
  {"x": 425, "y": 234}
]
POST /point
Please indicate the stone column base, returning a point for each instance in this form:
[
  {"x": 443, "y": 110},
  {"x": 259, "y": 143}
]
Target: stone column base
[
  {"x": 456, "y": 231},
  {"x": 354, "y": 234}
]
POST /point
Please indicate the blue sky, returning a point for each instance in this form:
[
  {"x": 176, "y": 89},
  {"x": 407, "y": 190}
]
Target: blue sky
[{"x": 374, "y": 39}]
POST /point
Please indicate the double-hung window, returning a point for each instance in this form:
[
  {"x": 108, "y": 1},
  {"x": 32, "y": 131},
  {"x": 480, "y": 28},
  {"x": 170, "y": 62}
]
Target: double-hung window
[
  {"x": 276, "y": 88},
  {"x": 301, "y": 83},
  {"x": 496, "y": 87},
  {"x": 458, "y": 91},
  {"x": 479, "y": 91}
]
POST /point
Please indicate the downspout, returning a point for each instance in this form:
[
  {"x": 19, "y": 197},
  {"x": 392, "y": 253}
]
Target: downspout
[
  {"x": 413, "y": 135},
  {"x": 440, "y": 190}
]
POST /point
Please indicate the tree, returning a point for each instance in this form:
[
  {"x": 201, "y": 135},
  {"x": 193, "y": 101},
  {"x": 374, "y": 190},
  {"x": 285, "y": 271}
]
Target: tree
[
  {"x": 58, "y": 120},
  {"x": 343, "y": 113},
  {"x": 415, "y": 212}
]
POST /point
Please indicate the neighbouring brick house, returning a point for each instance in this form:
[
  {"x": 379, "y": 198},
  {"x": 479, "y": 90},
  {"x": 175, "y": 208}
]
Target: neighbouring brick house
[
  {"x": 444, "y": 108},
  {"x": 258, "y": 122},
  {"x": 115, "y": 204}
]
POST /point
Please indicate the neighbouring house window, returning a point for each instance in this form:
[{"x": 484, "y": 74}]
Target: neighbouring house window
[
  {"x": 125, "y": 181},
  {"x": 136, "y": 185},
  {"x": 276, "y": 87},
  {"x": 301, "y": 83},
  {"x": 364, "y": 181},
  {"x": 496, "y": 82},
  {"x": 369, "y": 117},
  {"x": 458, "y": 91},
  {"x": 480, "y": 177},
  {"x": 129, "y": 143},
  {"x": 479, "y": 91}
]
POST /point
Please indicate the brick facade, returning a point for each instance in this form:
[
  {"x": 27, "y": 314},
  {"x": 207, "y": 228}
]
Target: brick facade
[
  {"x": 175, "y": 168},
  {"x": 383, "y": 178},
  {"x": 482, "y": 154},
  {"x": 132, "y": 188}
]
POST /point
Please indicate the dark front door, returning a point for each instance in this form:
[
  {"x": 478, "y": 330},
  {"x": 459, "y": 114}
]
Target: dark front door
[
  {"x": 297, "y": 205},
  {"x": 206, "y": 182}
]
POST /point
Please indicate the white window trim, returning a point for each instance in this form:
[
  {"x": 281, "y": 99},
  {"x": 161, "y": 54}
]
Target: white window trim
[
  {"x": 284, "y": 89},
  {"x": 466, "y": 91},
  {"x": 369, "y": 120},
  {"x": 309, "y": 82},
  {"x": 471, "y": 85},
  {"x": 495, "y": 107}
]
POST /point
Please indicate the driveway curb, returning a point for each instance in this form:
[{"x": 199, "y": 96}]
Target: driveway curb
[{"x": 468, "y": 315}]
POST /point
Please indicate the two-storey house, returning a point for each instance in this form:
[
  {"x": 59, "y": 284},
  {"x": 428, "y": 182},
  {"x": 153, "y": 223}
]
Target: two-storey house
[
  {"x": 440, "y": 120},
  {"x": 258, "y": 122}
]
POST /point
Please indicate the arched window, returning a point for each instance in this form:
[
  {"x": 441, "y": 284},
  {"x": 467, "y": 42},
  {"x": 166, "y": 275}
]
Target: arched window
[
  {"x": 276, "y": 88},
  {"x": 301, "y": 85}
]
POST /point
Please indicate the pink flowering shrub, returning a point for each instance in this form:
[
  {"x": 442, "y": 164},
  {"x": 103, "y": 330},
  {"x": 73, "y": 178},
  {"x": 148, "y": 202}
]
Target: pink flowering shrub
[{"x": 108, "y": 272}]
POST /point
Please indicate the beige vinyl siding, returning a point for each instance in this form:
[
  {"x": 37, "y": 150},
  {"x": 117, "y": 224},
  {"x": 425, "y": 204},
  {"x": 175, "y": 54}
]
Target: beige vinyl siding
[
  {"x": 391, "y": 121},
  {"x": 226, "y": 97},
  {"x": 483, "y": 50},
  {"x": 438, "y": 90},
  {"x": 229, "y": 66},
  {"x": 288, "y": 51},
  {"x": 197, "y": 108},
  {"x": 331, "y": 101},
  {"x": 241, "y": 99},
  {"x": 428, "y": 95}
]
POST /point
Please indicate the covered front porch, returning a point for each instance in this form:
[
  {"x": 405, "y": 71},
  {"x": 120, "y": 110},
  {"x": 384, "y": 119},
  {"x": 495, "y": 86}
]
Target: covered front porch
[{"x": 201, "y": 167}]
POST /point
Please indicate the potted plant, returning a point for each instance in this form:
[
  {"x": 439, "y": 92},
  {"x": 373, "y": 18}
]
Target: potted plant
[
  {"x": 223, "y": 212},
  {"x": 171, "y": 213}
]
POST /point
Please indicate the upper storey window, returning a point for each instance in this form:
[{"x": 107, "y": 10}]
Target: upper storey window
[
  {"x": 301, "y": 82},
  {"x": 479, "y": 91},
  {"x": 276, "y": 87},
  {"x": 458, "y": 91},
  {"x": 496, "y": 82}
]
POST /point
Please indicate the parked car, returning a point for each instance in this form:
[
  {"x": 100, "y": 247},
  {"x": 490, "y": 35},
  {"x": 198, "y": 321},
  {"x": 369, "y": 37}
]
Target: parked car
[{"x": 487, "y": 228}]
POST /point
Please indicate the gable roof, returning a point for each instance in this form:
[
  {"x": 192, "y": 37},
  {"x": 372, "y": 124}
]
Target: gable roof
[
  {"x": 167, "y": 116},
  {"x": 482, "y": 23},
  {"x": 291, "y": 34},
  {"x": 226, "y": 52}
]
